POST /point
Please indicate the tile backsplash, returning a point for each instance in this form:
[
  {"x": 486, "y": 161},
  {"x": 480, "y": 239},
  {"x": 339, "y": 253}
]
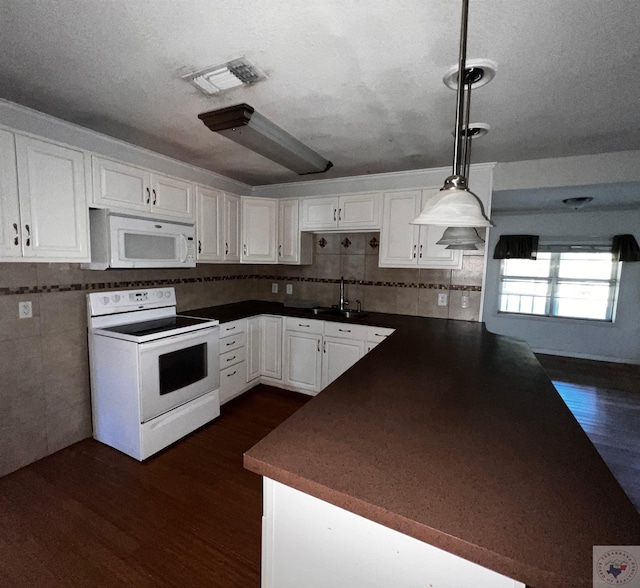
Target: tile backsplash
[{"x": 44, "y": 366}]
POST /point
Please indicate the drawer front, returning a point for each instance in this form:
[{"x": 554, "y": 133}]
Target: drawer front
[
  {"x": 378, "y": 334},
  {"x": 346, "y": 331},
  {"x": 231, "y": 358},
  {"x": 232, "y": 381},
  {"x": 304, "y": 325},
  {"x": 232, "y": 328},
  {"x": 232, "y": 342}
]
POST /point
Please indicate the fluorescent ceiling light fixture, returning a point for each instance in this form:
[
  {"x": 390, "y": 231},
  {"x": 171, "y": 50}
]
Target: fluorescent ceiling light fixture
[
  {"x": 455, "y": 205},
  {"x": 250, "y": 129},
  {"x": 227, "y": 76}
]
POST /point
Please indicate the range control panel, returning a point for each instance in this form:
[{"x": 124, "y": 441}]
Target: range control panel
[{"x": 127, "y": 300}]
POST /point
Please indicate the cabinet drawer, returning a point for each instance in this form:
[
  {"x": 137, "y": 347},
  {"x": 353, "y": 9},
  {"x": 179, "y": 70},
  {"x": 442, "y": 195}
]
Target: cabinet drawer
[
  {"x": 232, "y": 342},
  {"x": 227, "y": 329},
  {"x": 232, "y": 381},
  {"x": 231, "y": 358},
  {"x": 304, "y": 325},
  {"x": 346, "y": 330},
  {"x": 378, "y": 334}
]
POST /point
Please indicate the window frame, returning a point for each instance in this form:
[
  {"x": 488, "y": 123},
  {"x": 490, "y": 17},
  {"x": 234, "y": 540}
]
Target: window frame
[{"x": 553, "y": 281}]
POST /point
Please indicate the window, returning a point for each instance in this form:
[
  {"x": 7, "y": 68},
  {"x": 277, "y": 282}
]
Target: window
[{"x": 569, "y": 284}]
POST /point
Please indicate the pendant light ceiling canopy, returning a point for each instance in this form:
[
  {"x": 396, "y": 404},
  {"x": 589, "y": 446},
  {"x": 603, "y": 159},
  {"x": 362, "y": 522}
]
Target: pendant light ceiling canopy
[{"x": 455, "y": 205}]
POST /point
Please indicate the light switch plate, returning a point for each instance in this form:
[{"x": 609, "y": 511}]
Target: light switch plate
[
  {"x": 442, "y": 299},
  {"x": 289, "y": 288},
  {"x": 25, "y": 309},
  {"x": 274, "y": 288},
  {"x": 464, "y": 301}
]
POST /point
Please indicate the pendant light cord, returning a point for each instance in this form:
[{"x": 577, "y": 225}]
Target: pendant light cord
[{"x": 462, "y": 61}]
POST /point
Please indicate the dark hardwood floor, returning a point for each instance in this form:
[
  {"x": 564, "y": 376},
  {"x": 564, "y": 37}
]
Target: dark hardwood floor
[
  {"x": 605, "y": 399},
  {"x": 90, "y": 516}
]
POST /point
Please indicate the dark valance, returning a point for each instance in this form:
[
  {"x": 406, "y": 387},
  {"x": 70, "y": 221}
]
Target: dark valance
[
  {"x": 625, "y": 248},
  {"x": 516, "y": 246}
]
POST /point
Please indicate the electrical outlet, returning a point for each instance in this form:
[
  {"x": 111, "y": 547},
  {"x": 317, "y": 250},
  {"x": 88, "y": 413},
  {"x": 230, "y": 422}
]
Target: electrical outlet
[
  {"x": 274, "y": 288},
  {"x": 442, "y": 299},
  {"x": 289, "y": 288},
  {"x": 25, "y": 310},
  {"x": 464, "y": 301}
]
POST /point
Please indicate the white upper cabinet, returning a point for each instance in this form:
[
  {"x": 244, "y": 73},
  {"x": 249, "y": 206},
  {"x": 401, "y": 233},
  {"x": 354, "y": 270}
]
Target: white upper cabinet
[
  {"x": 210, "y": 224},
  {"x": 294, "y": 247},
  {"x": 405, "y": 245},
  {"x": 259, "y": 230},
  {"x": 43, "y": 214},
  {"x": 10, "y": 225},
  {"x": 231, "y": 227},
  {"x": 349, "y": 212},
  {"x": 127, "y": 187}
]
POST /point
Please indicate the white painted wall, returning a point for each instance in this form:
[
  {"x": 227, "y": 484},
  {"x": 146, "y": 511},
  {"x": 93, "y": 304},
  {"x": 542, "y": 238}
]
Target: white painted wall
[{"x": 619, "y": 341}]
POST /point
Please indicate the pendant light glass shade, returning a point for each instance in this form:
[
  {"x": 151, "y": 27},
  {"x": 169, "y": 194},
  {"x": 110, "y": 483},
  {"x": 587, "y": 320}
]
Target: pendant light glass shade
[
  {"x": 453, "y": 206},
  {"x": 460, "y": 236}
]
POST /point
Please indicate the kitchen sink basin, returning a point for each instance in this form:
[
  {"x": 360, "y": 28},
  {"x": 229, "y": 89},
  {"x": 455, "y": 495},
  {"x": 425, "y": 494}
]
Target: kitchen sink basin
[{"x": 347, "y": 313}]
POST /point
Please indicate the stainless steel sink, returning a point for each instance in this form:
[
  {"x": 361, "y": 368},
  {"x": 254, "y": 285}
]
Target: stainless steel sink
[{"x": 346, "y": 313}]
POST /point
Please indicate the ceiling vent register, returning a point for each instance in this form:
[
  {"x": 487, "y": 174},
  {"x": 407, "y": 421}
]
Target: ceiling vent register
[{"x": 221, "y": 78}]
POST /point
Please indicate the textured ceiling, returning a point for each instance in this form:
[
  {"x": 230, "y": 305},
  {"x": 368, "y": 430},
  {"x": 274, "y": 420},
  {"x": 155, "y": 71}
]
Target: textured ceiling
[{"x": 358, "y": 81}]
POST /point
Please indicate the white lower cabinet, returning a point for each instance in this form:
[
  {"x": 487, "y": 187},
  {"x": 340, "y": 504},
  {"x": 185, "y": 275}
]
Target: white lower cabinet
[
  {"x": 303, "y": 360},
  {"x": 253, "y": 348},
  {"x": 338, "y": 355},
  {"x": 233, "y": 364},
  {"x": 271, "y": 347}
]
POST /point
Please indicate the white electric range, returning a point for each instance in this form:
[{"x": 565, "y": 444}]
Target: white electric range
[{"x": 155, "y": 374}]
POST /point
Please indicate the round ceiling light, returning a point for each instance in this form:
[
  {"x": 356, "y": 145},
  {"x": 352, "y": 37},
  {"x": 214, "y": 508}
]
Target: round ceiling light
[{"x": 478, "y": 71}]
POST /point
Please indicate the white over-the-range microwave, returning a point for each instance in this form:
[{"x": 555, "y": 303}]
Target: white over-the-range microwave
[{"x": 123, "y": 241}]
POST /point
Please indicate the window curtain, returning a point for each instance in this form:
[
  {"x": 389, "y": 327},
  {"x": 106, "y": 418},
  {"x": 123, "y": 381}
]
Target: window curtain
[
  {"x": 625, "y": 248},
  {"x": 516, "y": 247}
]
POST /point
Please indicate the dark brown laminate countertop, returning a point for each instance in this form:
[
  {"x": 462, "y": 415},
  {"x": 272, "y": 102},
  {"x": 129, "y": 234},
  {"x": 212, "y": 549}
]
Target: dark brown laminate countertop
[{"x": 454, "y": 436}]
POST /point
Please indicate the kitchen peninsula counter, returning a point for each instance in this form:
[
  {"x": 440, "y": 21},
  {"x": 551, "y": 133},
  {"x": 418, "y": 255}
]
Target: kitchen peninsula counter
[{"x": 456, "y": 437}]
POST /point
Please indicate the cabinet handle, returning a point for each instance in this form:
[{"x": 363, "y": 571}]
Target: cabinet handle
[
  {"x": 318, "y": 345},
  {"x": 16, "y": 240},
  {"x": 231, "y": 358},
  {"x": 324, "y": 345},
  {"x": 148, "y": 195},
  {"x": 226, "y": 248},
  {"x": 279, "y": 250},
  {"x": 232, "y": 342},
  {"x": 344, "y": 330},
  {"x": 155, "y": 197},
  {"x": 334, "y": 214},
  {"x": 339, "y": 214},
  {"x": 28, "y": 242},
  {"x": 233, "y": 373},
  {"x": 414, "y": 252},
  {"x": 230, "y": 328},
  {"x": 199, "y": 246},
  {"x": 420, "y": 250},
  {"x": 244, "y": 248},
  {"x": 301, "y": 325},
  {"x": 380, "y": 335}
]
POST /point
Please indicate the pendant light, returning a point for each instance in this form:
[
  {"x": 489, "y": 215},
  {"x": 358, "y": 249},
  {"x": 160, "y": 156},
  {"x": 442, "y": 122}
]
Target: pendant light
[{"x": 455, "y": 205}]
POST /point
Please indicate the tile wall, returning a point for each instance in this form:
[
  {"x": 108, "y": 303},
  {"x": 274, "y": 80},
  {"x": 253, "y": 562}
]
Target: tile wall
[{"x": 44, "y": 369}]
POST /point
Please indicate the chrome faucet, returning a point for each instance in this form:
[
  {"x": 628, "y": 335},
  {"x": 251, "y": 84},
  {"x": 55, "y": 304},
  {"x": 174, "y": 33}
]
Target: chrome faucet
[{"x": 343, "y": 301}]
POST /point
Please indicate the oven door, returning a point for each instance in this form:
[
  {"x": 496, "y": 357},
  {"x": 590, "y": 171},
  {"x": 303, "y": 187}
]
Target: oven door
[{"x": 177, "y": 369}]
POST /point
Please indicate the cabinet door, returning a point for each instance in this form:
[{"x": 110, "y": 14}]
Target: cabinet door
[
  {"x": 288, "y": 231},
  {"x": 172, "y": 197},
  {"x": 259, "y": 229},
  {"x": 210, "y": 224},
  {"x": 53, "y": 200},
  {"x": 253, "y": 348},
  {"x": 319, "y": 213},
  {"x": 398, "y": 238},
  {"x": 231, "y": 227},
  {"x": 431, "y": 255},
  {"x": 10, "y": 227},
  {"x": 121, "y": 186},
  {"x": 271, "y": 347},
  {"x": 338, "y": 356},
  {"x": 302, "y": 362},
  {"x": 360, "y": 211}
]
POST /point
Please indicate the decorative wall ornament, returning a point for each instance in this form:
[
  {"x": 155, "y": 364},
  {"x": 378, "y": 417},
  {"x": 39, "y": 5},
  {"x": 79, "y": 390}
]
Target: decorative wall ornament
[
  {"x": 374, "y": 243},
  {"x": 345, "y": 243},
  {"x": 322, "y": 242}
]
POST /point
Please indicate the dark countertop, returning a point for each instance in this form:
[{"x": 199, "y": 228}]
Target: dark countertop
[{"x": 454, "y": 436}]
